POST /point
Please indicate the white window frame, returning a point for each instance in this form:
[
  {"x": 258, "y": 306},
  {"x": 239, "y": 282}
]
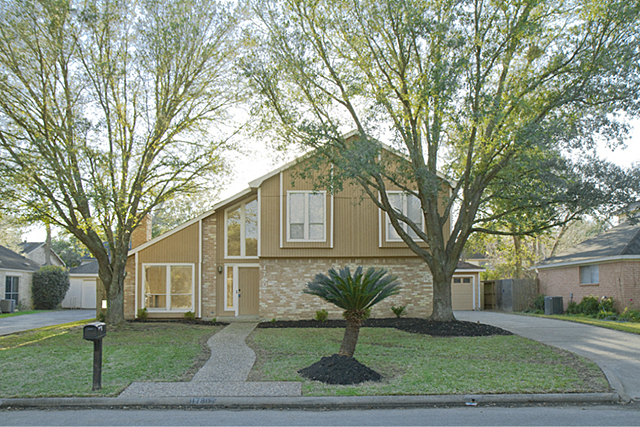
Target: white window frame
[
  {"x": 591, "y": 268},
  {"x": 306, "y": 216},
  {"x": 243, "y": 243},
  {"x": 17, "y": 292},
  {"x": 404, "y": 225},
  {"x": 167, "y": 308}
]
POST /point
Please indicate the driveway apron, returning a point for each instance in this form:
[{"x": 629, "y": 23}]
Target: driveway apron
[
  {"x": 616, "y": 353},
  {"x": 224, "y": 374}
]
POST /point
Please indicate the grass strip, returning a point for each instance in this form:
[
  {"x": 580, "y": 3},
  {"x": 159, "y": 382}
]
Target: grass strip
[
  {"x": 21, "y": 313},
  {"x": 56, "y": 361},
  {"x": 414, "y": 364},
  {"x": 632, "y": 327}
]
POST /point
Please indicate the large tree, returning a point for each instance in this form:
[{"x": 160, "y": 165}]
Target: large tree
[
  {"x": 496, "y": 95},
  {"x": 105, "y": 112}
]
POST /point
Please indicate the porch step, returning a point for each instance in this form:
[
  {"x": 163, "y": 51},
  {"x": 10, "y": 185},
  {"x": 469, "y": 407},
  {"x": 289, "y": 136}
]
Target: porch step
[
  {"x": 212, "y": 389},
  {"x": 239, "y": 319}
]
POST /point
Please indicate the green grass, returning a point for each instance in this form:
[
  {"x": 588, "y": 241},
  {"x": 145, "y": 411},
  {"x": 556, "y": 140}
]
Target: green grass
[
  {"x": 20, "y": 313},
  {"x": 56, "y": 361},
  {"x": 632, "y": 327},
  {"x": 414, "y": 364}
]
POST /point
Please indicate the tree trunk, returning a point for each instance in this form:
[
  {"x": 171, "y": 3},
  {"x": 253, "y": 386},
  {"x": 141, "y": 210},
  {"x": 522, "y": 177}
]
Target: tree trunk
[
  {"x": 517, "y": 248},
  {"x": 350, "y": 339},
  {"x": 47, "y": 245},
  {"x": 115, "y": 302},
  {"x": 442, "y": 310}
]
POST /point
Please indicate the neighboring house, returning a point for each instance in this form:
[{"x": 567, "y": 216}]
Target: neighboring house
[
  {"x": 605, "y": 265},
  {"x": 36, "y": 251},
  {"x": 16, "y": 272},
  {"x": 82, "y": 285},
  {"x": 253, "y": 254},
  {"x": 467, "y": 290}
]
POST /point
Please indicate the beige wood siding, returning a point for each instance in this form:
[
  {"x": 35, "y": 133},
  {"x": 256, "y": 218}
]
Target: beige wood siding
[{"x": 353, "y": 224}]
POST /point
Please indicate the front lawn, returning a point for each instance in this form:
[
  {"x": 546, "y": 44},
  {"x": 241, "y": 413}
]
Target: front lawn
[
  {"x": 414, "y": 364},
  {"x": 56, "y": 361}
]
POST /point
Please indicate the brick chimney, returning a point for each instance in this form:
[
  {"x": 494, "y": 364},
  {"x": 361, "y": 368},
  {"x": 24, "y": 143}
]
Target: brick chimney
[{"x": 142, "y": 233}]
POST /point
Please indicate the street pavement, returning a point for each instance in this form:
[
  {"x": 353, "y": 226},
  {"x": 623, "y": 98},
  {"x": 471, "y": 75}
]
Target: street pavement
[
  {"x": 616, "y": 353},
  {"x": 11, "y": 325}
]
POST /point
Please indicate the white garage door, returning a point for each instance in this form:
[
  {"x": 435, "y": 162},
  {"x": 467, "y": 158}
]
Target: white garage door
[
  {"x": 89, "y": 293},
  {"x": 462, "y": 293}
]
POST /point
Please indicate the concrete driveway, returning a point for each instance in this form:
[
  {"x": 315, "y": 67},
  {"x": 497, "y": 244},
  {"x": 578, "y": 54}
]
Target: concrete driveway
[
  {"x": 10, "y": 325},
  {"x": 617, "y": 353}
]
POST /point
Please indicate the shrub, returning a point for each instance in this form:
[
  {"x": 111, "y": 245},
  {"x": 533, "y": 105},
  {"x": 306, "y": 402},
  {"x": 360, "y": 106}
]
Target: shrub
[
  {"x": 589, "y": 306},
  {"x": 606, "y": 304},
  {"x": 143, "y": 314},
  {"x": 399, "y": 311},
  {"x": 538, "y": 303},
  {"x": 607, "y": 315},
  {"x": 322, "y": 315},
  {"x": 49, "y": 287},
  {"x": 572, "y": 308},
  {"x": 190, "y": 316},
  {"x": 630, "y": 315},
  {"x": 101, "y": 317}
]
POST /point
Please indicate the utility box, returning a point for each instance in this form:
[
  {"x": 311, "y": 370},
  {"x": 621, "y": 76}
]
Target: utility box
[
  {"x": 7, "y": 306},
  {"x": 552, "y": 305},
  {"x": 94, "y": 331}
]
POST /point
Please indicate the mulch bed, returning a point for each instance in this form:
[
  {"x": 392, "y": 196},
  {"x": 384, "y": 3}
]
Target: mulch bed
[
  {"x": 408, "y": 324},
  {"x": 343, "y": 370}
]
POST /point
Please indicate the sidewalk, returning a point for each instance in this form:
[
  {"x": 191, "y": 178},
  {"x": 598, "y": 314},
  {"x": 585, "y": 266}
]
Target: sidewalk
[{"x": 616, "y": 353}]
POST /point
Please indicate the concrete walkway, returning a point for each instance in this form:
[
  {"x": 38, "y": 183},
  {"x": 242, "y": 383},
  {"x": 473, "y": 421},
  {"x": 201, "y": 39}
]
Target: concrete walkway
[
  {"x": 224, "y": 375},
  {"x": 25, "y": 322},
  {"x": 616, "y": 353}
]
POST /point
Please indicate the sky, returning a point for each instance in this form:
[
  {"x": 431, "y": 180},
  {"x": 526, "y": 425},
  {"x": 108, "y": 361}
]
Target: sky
[{"x": 259, "y": 161}]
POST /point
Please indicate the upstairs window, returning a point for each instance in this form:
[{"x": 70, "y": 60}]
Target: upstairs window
[
  {"x": 409, "y": 206},
  {"x": 306, "y": 219},
  {"x": 589, "y": 275},
  {"x": 242, "y": 230}
]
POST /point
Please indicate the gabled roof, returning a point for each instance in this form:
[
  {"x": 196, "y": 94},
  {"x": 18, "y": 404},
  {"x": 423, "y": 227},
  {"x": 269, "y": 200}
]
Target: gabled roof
[
  {"x": 89, "y": 268},
  {"x": 28, "y": 247},
  {"x": 618, "y": 243},
  {"x": 467, "y": 267},
  {"x": 9, "y": 260}
]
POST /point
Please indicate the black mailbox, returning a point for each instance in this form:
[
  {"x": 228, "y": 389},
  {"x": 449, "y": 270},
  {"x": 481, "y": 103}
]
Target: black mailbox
[{"x": 94, "y": 331}]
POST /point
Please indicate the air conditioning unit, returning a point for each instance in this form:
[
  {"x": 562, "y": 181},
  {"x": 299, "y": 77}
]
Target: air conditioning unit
[
  {"x": 553, "y": 305},
  {"x": 7, "y": 306}
]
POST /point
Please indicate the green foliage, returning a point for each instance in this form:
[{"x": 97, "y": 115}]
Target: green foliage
[
  {"x": 322, "y": 315},
  {"x": 399, "y": 311},
  {"x": 630, "y": 315},
  {"x": 572, "y": 308},
  {"x": 70, "y": 250},
  {"x": 101, "y": 317},
  {"x": 606, "y": 304},
  {"x": 190, "y": 316},
  {"x": 589, "y": 306},
  {"x": 49, "y": 286},
  {"x": 356, "y": 293},
  {"x": 538, "y": 302},
  {"x": 143, "y": 314}
]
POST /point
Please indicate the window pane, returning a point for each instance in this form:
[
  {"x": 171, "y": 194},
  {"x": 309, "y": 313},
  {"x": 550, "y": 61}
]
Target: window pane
[
  {"x": 391, "y": 232},
  {"x": 297, "y": 231},
  {"x": 316, "y": 231},
  {"x": 595, "y": 274},
  {"x": 395, "y": 199},
  {"x": 466, "y": 280},
  {"x": 296, "y": 208},
  {"x": 585, "y": 275},
  {"x": 233, "y": 232},
  {"x": 155, "y": 286},
  {"x": 414, "y": 213},
  {"x": 229, "y": 290},
  {"x": 251, "y": 228},
  {"x": 180, "y": 302},
  {"x": 316, "y": 208},
  {"x": 180, "y": 280}
]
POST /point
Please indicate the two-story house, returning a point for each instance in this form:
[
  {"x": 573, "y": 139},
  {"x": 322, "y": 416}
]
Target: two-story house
[{"x": 253, "y": 254}]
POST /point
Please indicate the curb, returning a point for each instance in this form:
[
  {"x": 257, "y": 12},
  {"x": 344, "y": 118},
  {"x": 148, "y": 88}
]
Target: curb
[{"x": 311, "y": 403}]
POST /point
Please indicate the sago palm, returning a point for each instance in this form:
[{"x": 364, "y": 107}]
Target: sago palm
[{"x": 355, "y": 295}]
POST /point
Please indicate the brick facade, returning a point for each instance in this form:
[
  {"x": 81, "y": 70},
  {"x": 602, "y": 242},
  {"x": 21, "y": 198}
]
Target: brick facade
[
  {"x": 209, "y": 267},
  {"x": 283, "y": 280},
  {"x": 620, "y": 280}
]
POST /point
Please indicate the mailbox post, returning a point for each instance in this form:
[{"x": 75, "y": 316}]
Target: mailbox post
[{"x": 95, "y": 332}]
